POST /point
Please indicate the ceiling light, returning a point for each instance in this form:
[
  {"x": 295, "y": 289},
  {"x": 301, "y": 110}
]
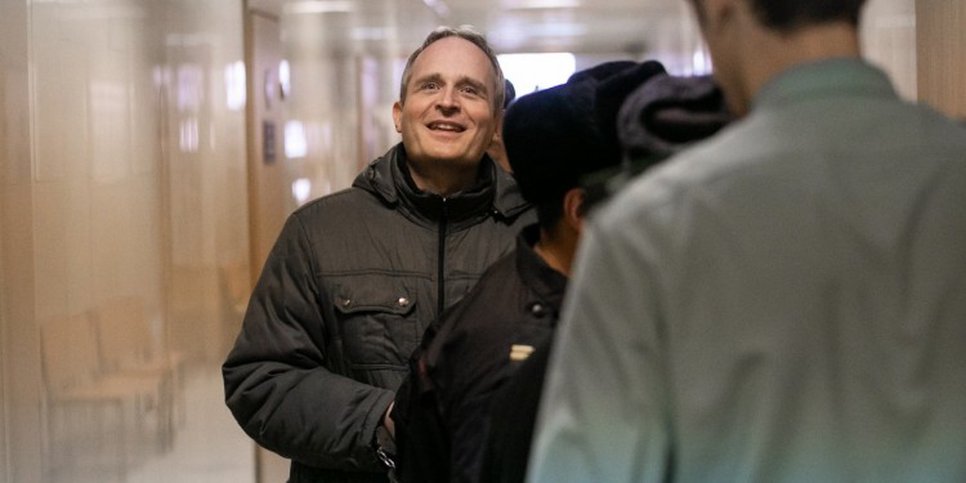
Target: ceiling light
[
  {"x": 540, "y": 4},
  {"x": 318, "y": 6},
  {"x": 438, "y": 6}
]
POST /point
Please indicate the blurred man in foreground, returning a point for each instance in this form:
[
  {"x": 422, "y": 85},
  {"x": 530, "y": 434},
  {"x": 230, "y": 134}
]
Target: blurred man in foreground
[{"x": 784, "y": 302}]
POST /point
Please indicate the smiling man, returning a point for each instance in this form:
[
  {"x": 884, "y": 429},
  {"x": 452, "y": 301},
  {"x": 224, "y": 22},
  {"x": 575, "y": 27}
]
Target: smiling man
[
  {"x": 448, "y": 112},
  {"x": 355, "y": 277}
]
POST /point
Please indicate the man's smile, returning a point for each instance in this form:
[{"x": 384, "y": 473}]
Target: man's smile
[{"x": 446, "y": 126}]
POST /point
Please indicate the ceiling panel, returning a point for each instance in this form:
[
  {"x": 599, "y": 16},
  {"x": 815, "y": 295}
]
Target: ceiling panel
[
  {"x": 511, "y": 25},
  {"x": 662, "y": 29}
]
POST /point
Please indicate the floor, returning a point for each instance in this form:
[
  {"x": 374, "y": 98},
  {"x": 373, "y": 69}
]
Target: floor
[{"x": 208, "y": 445}]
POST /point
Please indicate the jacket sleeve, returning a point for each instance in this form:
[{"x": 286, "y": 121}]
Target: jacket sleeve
[
  {"x": 277, "y": 379},
  {"x": 422, "y": 443}
]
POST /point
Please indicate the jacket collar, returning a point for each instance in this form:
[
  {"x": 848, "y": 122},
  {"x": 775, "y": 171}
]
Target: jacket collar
[
  {"x": 547, "y": 283},
  {"x": 495, "y": 192}
]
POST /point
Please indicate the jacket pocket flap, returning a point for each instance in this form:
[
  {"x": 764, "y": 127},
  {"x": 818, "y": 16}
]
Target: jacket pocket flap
[{"x": 374, "y": 296}]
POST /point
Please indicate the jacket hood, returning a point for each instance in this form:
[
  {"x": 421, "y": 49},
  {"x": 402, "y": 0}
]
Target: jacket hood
[
  {"x": 668, "y": 113},
  {"x": 388, "y": 179}
]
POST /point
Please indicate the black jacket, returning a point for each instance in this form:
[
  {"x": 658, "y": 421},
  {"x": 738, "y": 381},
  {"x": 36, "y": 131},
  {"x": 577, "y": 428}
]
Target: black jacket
[
  {"x": 513, "y": 414},
  {"x": 441, "y": 412},
  {"x": 345, "y": 295}
]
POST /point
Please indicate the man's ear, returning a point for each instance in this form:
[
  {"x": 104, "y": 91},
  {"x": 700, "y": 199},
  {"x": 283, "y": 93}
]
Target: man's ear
[
  {"x": 498, "y": 133},
  {"x": 573, "y": 208},
  {"x": 397, "y": 115},
  {"x": 717, "y": 12}
]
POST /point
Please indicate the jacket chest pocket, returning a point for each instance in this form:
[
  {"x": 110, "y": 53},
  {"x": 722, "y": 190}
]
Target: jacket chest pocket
[{"x": 377, "y": 321}]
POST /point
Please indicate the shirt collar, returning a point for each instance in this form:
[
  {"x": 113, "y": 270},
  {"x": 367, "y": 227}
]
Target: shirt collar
[{"x": 827, "y": 78}]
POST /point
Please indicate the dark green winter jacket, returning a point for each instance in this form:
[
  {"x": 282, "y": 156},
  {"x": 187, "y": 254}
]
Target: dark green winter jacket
[{"x": 345, "y": 295}]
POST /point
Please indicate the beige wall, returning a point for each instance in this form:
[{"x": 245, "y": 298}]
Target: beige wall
[
  {"x": 271, "y": 174},
  {"x": 888, "y": 39},
  {"x": 941, "y": 44},
  {"x": 5, "y": 457},
  {"x": 122, "y": 174},
  {"x": 342, "y": 92},
  {"x": 204, "y": 175},
  {"x": 18, "y": 354}
]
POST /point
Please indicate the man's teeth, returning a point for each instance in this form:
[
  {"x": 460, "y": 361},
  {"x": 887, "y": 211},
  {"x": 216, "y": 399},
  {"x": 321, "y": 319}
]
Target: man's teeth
[{"x": 445, "y": 127}]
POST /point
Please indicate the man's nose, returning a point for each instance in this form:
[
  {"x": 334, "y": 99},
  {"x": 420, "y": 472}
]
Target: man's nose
[{"x": 448, "y": 99}]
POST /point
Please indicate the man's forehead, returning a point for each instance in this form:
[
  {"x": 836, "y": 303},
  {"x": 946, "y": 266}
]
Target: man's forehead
[
  {"x": 453, "y": 64},
  {"x": 452, "y": 47}
]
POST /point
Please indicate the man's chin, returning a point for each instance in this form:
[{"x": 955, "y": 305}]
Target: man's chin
[{"x": 453, "y": 158}]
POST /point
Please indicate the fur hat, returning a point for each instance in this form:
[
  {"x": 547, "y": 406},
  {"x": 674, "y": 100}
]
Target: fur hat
[
  {"x": 668, "y": 113},
  {"x": 612, "y": 91},
  {"x": 601, "y": 71},
  {"x": 651, "y": 115}
]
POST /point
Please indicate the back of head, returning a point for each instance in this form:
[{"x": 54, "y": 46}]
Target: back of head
[
  {"x": 552, "y": 142},
  {"x": 789, "y": 15}
]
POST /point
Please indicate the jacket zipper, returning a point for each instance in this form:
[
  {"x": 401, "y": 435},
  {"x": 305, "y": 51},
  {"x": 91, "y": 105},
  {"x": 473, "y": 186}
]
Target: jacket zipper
[{"x": 441, "y": 262}]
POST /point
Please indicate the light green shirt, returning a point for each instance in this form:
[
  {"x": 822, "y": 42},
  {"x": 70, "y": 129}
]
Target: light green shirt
[{"x": 784, "y": 302}]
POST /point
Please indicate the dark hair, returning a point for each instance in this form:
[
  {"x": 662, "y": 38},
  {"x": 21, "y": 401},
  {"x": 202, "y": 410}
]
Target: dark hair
[
  {"x": 552, "y": 142},
  {"x": 469, "y": 34},
  {"x": 789, "y": 15}
]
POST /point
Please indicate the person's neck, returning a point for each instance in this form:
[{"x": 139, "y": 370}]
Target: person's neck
[
  {"x": 771, "y": 53},
  {"x": 442, "y": 178},
  {"x": 557, "y": 248}
]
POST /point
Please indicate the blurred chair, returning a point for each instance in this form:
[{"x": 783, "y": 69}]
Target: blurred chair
[
  {"x": 73, "y": 378},
  {"x": 127, "y": 348}
]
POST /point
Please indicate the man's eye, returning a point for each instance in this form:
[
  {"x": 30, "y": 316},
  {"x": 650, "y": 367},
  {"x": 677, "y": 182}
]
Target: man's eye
[
  {"x": 470, "y": 90},
  {"x": 430, "y": 85}
]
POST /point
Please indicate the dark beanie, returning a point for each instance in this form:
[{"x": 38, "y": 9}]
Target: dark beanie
[{"x": 552, "y": 141}]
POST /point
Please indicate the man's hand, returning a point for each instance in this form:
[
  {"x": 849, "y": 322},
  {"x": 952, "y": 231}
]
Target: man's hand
[
  {"x": 387, "y": 421},
  {"x": 385, "y": 443}
]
